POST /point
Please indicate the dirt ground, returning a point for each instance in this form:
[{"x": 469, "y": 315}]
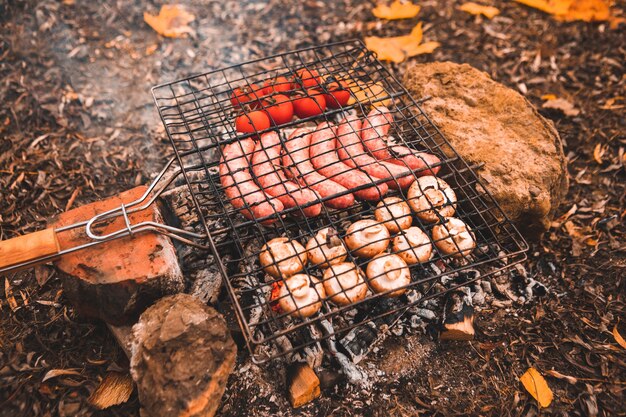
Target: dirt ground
[{"x": 77, "y": 124}]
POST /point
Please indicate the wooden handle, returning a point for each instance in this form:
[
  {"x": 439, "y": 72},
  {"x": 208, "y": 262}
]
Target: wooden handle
[{"x": 28, "y": 248}]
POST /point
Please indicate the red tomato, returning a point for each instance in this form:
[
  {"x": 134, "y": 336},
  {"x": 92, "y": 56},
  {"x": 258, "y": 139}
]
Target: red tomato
[
  {"x": 307, "y": 78},
  {"x": 277, "y": 85},
  {"x": 246, "y": 95},
  {"x": 310, "y": 105},
  {"x": 278, "y": 108},
  {"x": 252, "y": 122},
  {"x": 338, "y": 94}
]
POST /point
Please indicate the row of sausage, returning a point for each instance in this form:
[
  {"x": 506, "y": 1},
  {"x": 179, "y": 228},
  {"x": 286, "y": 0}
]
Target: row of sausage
[{"x": 333, "y": 163}]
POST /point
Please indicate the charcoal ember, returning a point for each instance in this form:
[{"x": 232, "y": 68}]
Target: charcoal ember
[
  {"x": 457, "y": 321},
  {"x": 207, "y": 282},
  {"x": 358, "y": 341},
  {"x": 181, "y": 357}
]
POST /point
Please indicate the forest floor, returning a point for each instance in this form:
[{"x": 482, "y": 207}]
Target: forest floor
[{"x": 77, "y": 124}]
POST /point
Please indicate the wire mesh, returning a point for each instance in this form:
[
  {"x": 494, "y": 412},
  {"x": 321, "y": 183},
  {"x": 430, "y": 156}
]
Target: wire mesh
[{"x": 280, "y": 292}]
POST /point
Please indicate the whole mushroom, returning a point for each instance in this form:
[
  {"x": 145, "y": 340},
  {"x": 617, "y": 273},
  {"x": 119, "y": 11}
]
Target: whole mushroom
[
  {"x": 344, "y": 283},
  {"x": 412, "y": 245},
  {"x": 367, "y": 238},
  {"x": 454, "y": 237},
  {"x": 431, "y": 197},
  {"x": 326, "y": 248},
  {"x": 281, "y": 257},
  {"x": 387, "y": 272},
  {"x": 394, "y": 213},
  {"x": 301, "y": 296}
]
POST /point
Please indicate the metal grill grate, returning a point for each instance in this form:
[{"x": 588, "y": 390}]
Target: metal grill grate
[{"x": 199, "y": 119}]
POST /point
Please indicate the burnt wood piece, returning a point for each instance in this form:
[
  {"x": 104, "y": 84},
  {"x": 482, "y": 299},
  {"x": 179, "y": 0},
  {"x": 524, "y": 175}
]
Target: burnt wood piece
[
  {"x": 304, "y": 385},
  {"x": 458, "y": 318},
  {"x": 182, "y": 355},
  {"x": 202, "y": 275},
  {"x": 116, "y": 280}
]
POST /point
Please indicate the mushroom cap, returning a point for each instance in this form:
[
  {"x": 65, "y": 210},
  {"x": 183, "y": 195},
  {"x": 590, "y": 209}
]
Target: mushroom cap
[
  {"x": 326, "y": 248},
  {"x": 429, "y": 196},
  {"x": 301, "y": 296},
  {"x": 454, "y": 237},
  {"x": 412, "y": 245},
  {"x": 388, "y": 271},
  {"x": 344, "y": 283},
  {"x": 394, "y": 213},
  {"x": 281, "y": 257},
  {"x": 367, "y": 238}
]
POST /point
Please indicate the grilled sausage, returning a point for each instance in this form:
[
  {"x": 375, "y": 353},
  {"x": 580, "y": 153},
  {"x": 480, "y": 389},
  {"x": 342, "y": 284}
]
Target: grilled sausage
[
  {"x": 297, "y": 161},
  {"x": 325, "y": 160},
  {"x": 375, "y": 128},
  {"x": 239, "y": 187},
  {"x": 351, "y": 151},
  {"x": 268, "y": 172}
]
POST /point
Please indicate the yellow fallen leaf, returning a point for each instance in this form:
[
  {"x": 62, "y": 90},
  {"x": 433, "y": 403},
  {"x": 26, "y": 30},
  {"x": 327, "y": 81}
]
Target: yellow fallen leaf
[
  {"x": 397, "y": 10},
  {"x": 399, "y": 48},
  {"x": 369, "y": 93},
  {"x": 476, "y": 9},
  {"x": 172, "y": 21},
  {"x": 570, "y": 10},
  {"x": 618, "y": 337},
  {"x": 537, "y": 386},
  {"x": 563, "y": 105},
  {"x": 598, "y": 153},
  {"x": 548, "y": 97}
]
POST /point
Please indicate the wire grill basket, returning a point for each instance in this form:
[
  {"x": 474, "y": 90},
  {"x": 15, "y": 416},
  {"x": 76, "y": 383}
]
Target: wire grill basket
[{"x": 199, "y": 116}]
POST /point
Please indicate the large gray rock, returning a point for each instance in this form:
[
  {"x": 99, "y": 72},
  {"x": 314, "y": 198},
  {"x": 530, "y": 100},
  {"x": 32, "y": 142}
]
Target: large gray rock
[
  {"x": 181, "y": 357},
  {"x": 487, "y": 123}
]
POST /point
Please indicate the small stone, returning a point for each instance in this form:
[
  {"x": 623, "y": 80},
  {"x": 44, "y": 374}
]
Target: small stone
[{"x": 181, "y": 357}]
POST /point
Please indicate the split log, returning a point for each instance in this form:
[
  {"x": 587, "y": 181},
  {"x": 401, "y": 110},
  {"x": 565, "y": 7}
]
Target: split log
[
  {"x": 304, "y": 385},
  {"x": 458, "y": 318},
  {"x": 181, "y": 357},
  {"x": 116, "y": 280}
]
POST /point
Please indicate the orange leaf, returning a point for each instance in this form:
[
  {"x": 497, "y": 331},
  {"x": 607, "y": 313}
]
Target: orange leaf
[
  {"x": 477, "y": 9},
  {"x": 570, "y": 10},
  {"x": 618, "y": 337},
  {"x": 399, "y": 48},
  {"x": 171, "y": 21},
  {"x": 548, "y": 97},
  {"x": 397, "y": 10},
  {"x": 537, "y": 386}
]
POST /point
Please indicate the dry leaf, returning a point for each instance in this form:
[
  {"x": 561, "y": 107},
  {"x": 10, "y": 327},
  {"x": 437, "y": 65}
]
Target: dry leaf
[
  {"x": 171, "y": 22},
  {"x": 114, "y": 389},
  {"x": 369, "y": 92},
  {"x": 397, "y": 10},
  {"x": 618, "y": 337},
  {"x": 8, "y": 293},
  {"x": 563, "y": 105},
  {"x": 477, "y": 9},
  {"x": 570, "y": 10},
  {"x": 537, "y": 386},
  {"x": 399, "y": 48},
  {"x": 548, "y": 97},
  {"x": 53, "y": 373},
  {"x": 598, "y": 153},
  {"x": 610, "y": 104},
  {"x": 559, "y": 375}
]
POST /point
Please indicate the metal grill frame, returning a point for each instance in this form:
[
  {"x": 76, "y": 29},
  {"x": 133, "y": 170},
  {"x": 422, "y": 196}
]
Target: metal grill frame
[{"x": 190, "y": 117}]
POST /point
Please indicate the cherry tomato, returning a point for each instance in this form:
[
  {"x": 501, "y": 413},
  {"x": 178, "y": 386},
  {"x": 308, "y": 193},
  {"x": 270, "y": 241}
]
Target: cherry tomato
[
  {"x": 278, "y": 108},
  {"x": 338, "y": 94},
  {"x": 310, "y": 105},
  {"x": 254, "y": 121},
  {"x": 308, "y": 78},
  {"x": 245, "y": 95},
  {"x": 278, "y": 84}
]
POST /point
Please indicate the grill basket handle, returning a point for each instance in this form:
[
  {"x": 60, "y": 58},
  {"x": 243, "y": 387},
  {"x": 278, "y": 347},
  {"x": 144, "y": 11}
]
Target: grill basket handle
[{"x": 38, "y": 245}]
